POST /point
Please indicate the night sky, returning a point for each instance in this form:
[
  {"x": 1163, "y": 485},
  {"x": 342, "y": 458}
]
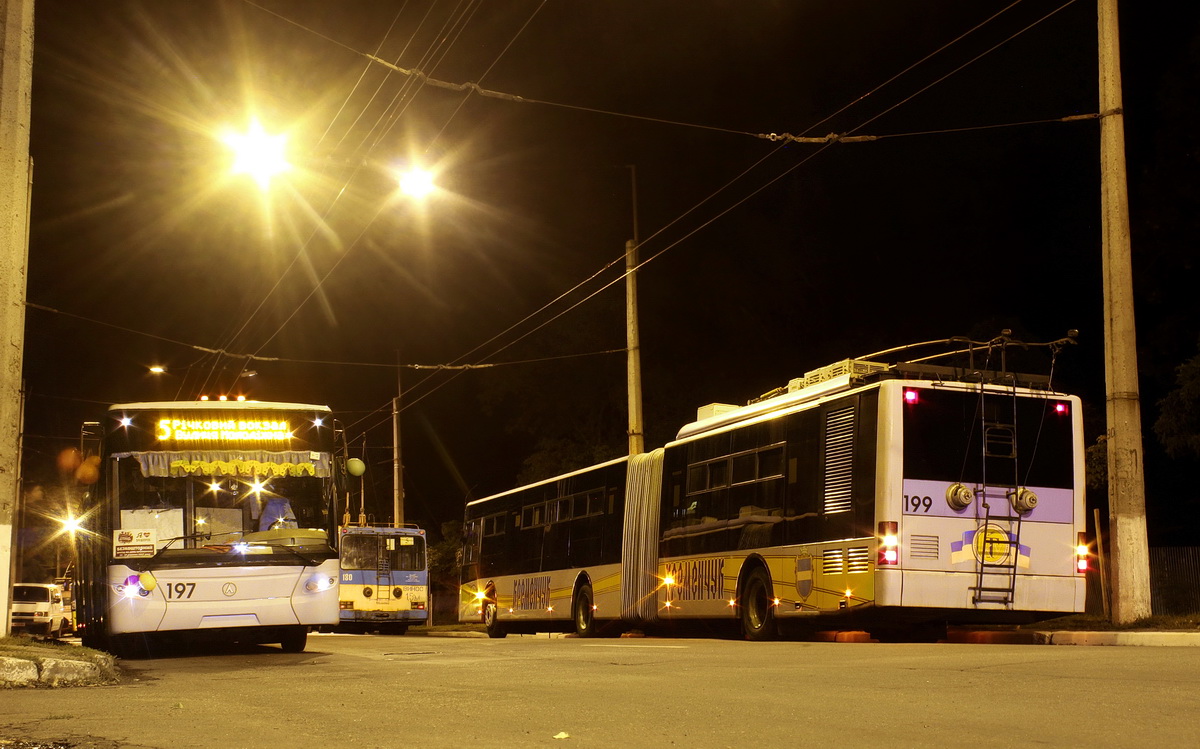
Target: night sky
[{"x": 976, "y": 210}]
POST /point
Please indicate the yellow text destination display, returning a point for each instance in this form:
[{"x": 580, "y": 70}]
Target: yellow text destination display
[{"x": 228, "y": 430}]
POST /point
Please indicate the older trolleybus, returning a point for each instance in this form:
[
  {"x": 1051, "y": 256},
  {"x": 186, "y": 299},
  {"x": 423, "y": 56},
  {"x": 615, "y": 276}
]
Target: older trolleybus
[
  {"x": 894, "y": 497},
  {"x": 384, "y": 579},
  {"x": 211, "y": 519}
]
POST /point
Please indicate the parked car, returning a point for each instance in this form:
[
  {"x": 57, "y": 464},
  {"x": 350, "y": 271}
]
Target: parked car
[{"x": 38, "y": 608}]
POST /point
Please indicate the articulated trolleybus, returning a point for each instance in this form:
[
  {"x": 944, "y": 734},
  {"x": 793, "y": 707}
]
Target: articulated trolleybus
[
  {"x": 898, "y": 498},
  {"x": 385, "y": 578},
  {"x": 212, "y": 519}
]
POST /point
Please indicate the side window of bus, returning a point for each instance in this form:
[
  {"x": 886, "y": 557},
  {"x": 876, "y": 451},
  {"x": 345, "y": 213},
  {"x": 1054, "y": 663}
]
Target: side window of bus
[
  {"x": 471, "y": 542},
  {"x": 533, "y": 516}
]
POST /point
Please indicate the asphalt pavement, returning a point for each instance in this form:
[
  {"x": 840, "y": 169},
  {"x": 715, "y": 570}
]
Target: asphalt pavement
[{"x": 51, "y": 664}]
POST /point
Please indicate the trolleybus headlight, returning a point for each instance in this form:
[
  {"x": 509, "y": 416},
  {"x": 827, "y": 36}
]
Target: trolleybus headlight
[
  {"x": 319, "y": 583},
  {"x": 889, "y": 543},
  {"x": 137, "y": 584}
]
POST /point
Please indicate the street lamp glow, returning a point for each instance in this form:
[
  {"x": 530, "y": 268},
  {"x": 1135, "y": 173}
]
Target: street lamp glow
[
  {"x": 417, "y": 183},
  {"x": 157, "y": 369},
  {"x": 258, "y": 154}
]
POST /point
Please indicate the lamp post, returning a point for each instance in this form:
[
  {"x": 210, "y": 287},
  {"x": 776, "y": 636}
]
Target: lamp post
[{"x": 418, "y": 184}]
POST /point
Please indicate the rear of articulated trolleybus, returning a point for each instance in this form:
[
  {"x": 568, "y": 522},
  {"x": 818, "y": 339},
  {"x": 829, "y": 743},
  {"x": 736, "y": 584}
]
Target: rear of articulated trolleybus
[
  {"x": 980, "y": 503},
  {"x": 548, "y": 556},
  {"x": 870, "y": 500},
  {"x": 384, "y": 579},
  {"x": 213, "y": 521}
]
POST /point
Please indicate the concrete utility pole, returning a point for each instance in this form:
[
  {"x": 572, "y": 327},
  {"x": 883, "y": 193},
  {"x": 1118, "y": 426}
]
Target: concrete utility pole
[
  {"x": 397, "y": 464},
  {"x": 633, "y": 346},
  {"x": 16, "y": 82},
  {"x": 1126, "y": 482},
  {"x": 637, "y": 440},
  {"x": 397, "y": 467}
]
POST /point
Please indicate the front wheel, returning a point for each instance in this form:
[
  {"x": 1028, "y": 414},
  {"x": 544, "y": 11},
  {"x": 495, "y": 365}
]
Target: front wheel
[
  {"x": 584, "y": 612},
  {"x": 294, "y": 640},
  {"x": 491, "y": 620},
  {"x": 758, "y": 606}
]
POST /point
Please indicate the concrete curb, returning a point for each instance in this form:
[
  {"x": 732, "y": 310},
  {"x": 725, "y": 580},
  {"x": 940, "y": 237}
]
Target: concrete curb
[
  {"x": 1143, "y": 639},
  {"x": 54, "y": 672}
]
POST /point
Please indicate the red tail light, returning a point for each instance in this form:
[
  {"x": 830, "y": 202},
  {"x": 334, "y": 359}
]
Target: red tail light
[
  {"x": 1081, "y": 553},
  {"x": 889, "y": 544}
]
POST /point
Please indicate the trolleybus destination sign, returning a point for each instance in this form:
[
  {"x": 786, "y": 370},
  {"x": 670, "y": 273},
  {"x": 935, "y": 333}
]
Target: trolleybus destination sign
[{"x": 223, "y": 430}]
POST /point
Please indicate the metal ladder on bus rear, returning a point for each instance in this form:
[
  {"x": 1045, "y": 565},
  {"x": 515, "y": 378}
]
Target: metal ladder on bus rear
[
  {"x": 996, "y": 581},
  {"x": 383, "y": 574}
]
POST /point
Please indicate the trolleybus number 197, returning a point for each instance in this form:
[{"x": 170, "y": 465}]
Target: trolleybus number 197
[
  {"x": 178, "y": 590},
  {"x": 915, "y": 504}
]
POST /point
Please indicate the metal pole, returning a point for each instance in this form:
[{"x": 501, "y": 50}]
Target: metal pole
[
  {"x": 1126, "y": 484},
  {"x": 16, "y": 82}
]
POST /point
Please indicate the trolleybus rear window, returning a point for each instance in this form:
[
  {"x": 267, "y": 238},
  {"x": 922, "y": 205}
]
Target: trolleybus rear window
[{"x": 1027, "y": 439}]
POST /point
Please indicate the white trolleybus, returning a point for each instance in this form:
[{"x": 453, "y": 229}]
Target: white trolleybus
[
  {"x": 898, "y": 498},
  {"x": 211, "y": 519}
]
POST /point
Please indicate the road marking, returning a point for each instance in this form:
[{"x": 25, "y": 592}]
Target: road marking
[{"x": 651, "y": 647}]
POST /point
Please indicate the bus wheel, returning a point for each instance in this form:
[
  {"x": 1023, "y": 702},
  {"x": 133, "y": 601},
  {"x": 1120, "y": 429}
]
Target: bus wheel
[
  {"x": 491, "y": 620},
  {"x": 294, "y": 639},
  {"x": 758, "y": 606},
  {"x": 584, "y": 612}
]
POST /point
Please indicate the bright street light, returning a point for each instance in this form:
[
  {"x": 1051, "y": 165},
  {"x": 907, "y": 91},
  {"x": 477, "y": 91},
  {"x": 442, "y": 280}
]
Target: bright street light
[
  {"x": 70, "y": 524},
  {"x": 258, "y": 154},
  {"x": 417, "y": 183}
]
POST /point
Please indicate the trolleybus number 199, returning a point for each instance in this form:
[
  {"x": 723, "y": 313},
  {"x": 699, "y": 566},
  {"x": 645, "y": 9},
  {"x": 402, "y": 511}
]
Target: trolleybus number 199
[
  {"x": 179, "y": 590},
  {"x": 915, "y": 504}
]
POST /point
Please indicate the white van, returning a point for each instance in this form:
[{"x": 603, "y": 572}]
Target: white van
[{"x": 37, "y": 608}]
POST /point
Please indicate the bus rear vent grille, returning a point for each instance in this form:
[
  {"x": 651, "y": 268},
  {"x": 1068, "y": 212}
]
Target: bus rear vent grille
[
  {"x": 923, "y": 547},
  {"x": 858, "y": 559},
  {"x": 832, "y": 561}
]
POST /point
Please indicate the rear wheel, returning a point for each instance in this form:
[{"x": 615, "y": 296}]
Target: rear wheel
[
  {"x": 758, "y": 606},
  {"x": 491, "y": 620},
  {"x": 584, "y": 612},
  {"x": 294, "y": 639}
]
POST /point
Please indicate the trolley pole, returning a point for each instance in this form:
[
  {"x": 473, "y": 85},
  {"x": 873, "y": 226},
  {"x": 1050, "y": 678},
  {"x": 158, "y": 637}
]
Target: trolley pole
[
  {"x": 16, "y": 82},
  {"x": 1126, "y": 481}
]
